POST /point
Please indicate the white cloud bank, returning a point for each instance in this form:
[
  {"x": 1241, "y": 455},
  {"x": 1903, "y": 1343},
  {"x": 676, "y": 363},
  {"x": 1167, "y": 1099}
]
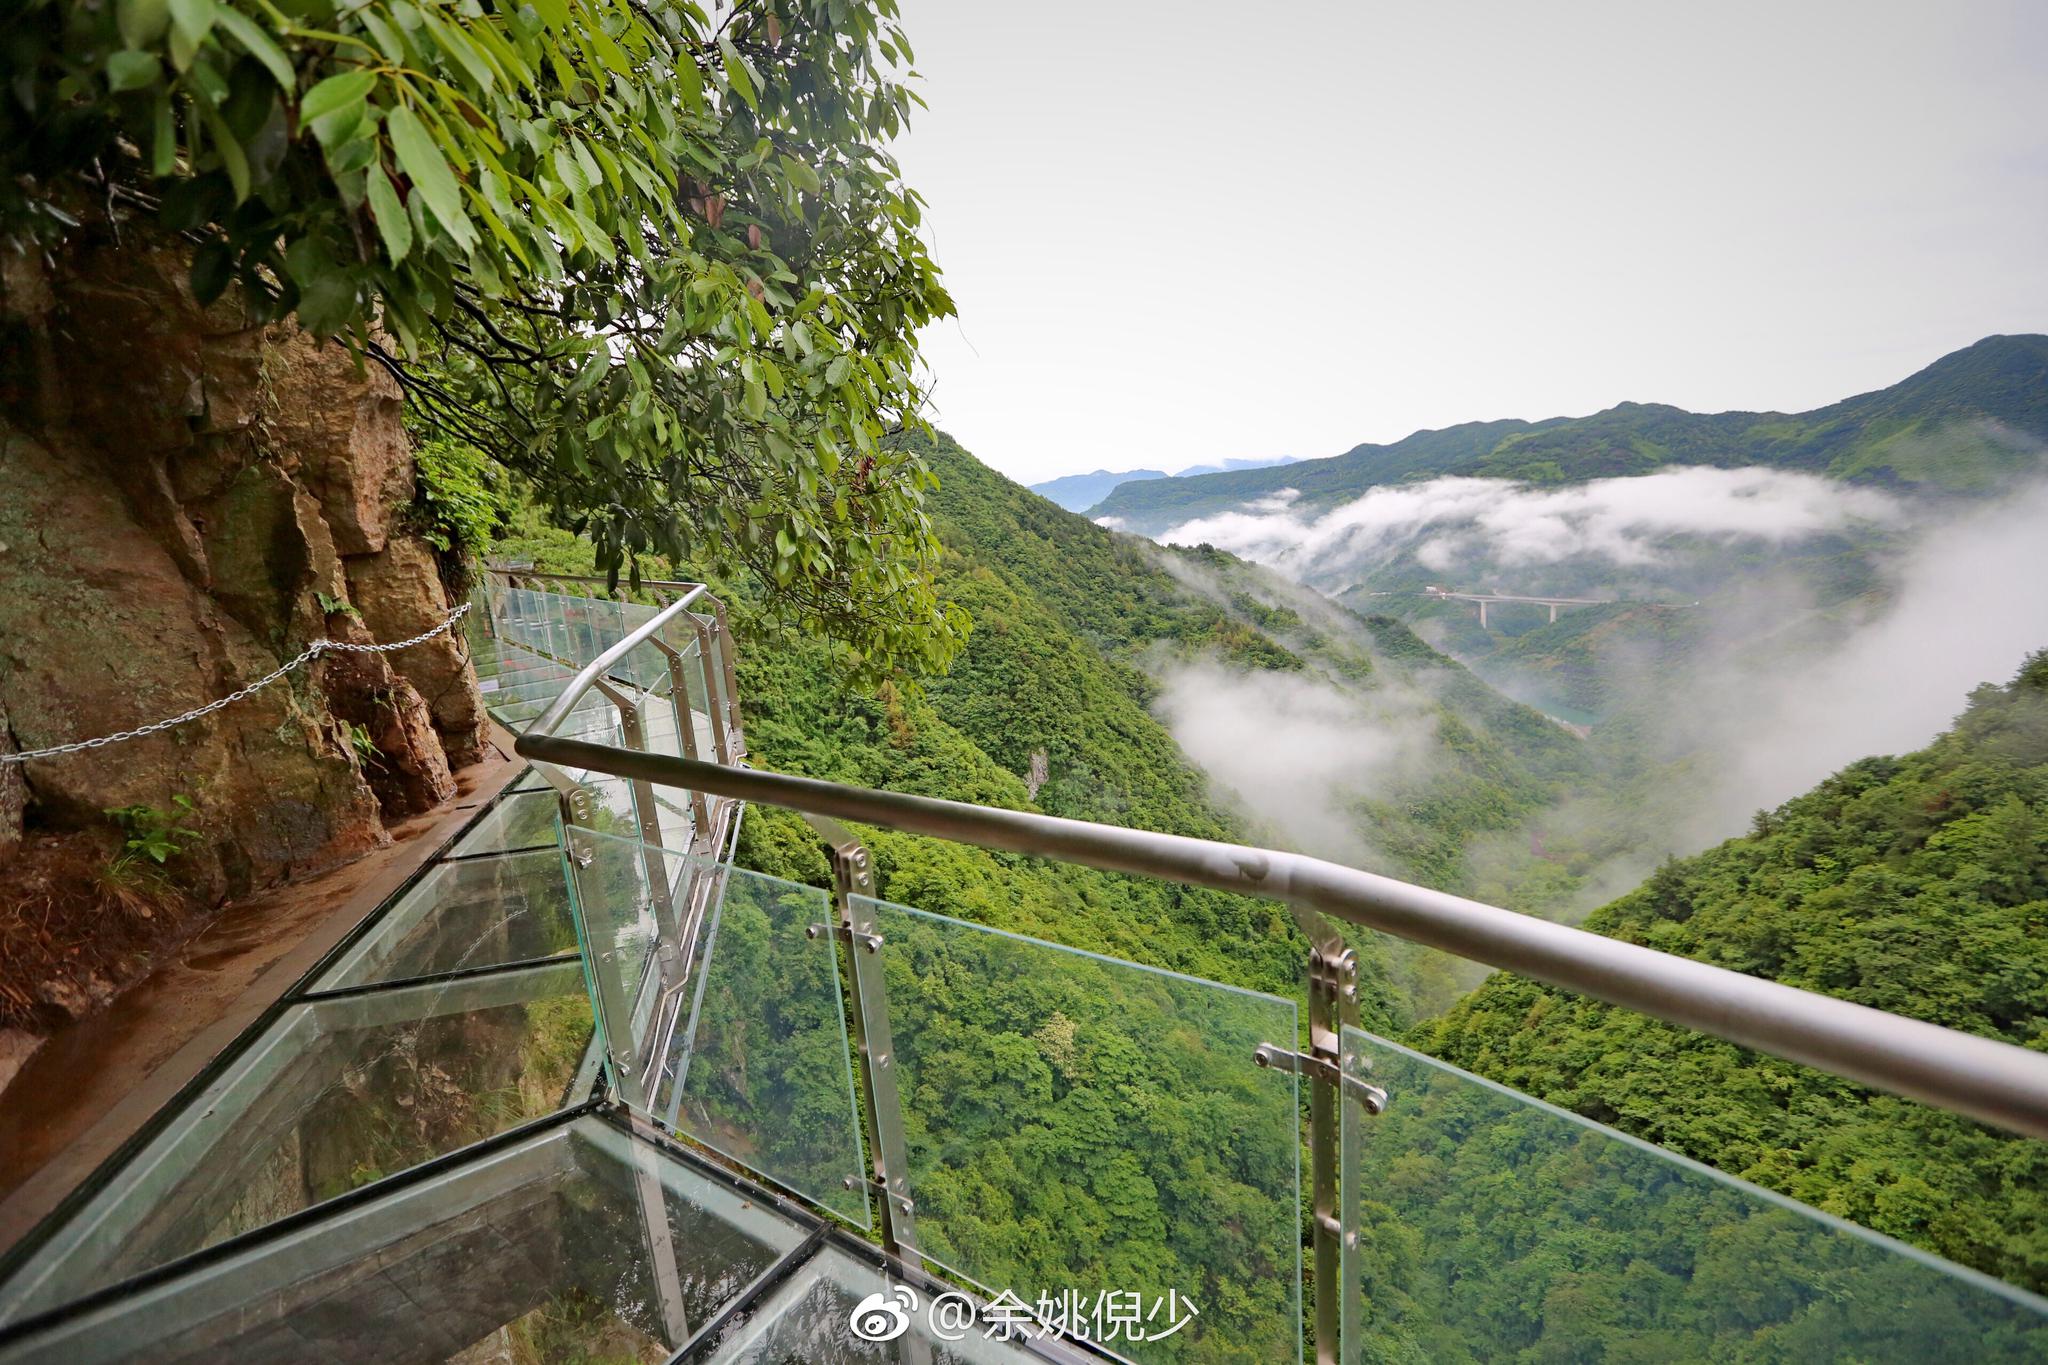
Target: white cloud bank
[
  {"x": 1293, "y": 752},
  {"x": 1449, "y": 520}
]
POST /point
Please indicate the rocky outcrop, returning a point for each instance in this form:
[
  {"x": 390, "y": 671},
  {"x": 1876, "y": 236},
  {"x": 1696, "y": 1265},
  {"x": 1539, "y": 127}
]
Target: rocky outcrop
[
  {"x": 187, "y": 500},
  {"x": 398, "y": 591}
]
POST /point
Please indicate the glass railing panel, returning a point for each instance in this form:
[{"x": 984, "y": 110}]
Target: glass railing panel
[
  {"x": 337, "y": 1093},
  {"x": 474, "y": 912},
  {"x": 539, "y": 1252},
  {"x": 534, "y": 684},
  {"x": 1492, "y": 1226},
  {"x": 734, "y": 1028},
  {"x": 1095, "y": 1137},
  {"x": 646, "y": 667},
  {"x": 614, "y": 884},
  {"x": 758, "y": 1067}
]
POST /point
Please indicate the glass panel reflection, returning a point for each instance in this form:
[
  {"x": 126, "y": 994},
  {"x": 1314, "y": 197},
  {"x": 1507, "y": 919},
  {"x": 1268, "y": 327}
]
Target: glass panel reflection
[
  {"x": 1081, "y": 1127},
  {"x": 809, "y": 1318},
  {"x": 476, "y": 912},
  {"x": 519, "y": 820},
  {"x": 577, "y": 1244},
  {"x": 338, "y": 1093},
  {"x": 1493, "y": 1226},
  {"x": 723, "y": 1013}
]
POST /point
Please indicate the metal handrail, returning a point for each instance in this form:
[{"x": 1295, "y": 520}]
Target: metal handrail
[
  {"x": 1980, "y": 1077},
  {"x": 669, "y": 584},
  {"x": 587, "y": 677}
]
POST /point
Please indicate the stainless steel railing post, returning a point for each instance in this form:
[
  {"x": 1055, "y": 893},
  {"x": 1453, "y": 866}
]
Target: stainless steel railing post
[
  {"x": 1332, "y": 1003},
  {"x": 853, "y": 875}
]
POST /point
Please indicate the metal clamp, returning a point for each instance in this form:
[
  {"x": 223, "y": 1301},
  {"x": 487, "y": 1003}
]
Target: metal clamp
[{"x": 1371, "y": 1098}]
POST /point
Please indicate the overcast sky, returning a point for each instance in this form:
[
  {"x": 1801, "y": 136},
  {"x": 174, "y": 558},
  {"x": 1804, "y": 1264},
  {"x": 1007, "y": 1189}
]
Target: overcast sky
[{"x": 1180, "y": 231}]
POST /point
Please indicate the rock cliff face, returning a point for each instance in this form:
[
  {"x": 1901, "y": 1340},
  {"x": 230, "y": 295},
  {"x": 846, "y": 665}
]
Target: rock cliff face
[{"x": 186, "y": 501}]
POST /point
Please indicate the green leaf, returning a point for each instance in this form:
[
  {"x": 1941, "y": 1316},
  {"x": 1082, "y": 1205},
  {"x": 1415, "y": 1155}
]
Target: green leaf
[
  {"x": 800, "y": 175},
  {"x": 420, "y": 158},
  {"x": 213, "y": 266},
  {"x": 246, "y": 32},
  {"x": 692, "y": 82},
  {"x": 389, "y": 42},
  {"x": 608, "y": 51},
  {"x": 756, "y": 400},
  {"x": 835, "y": 374},
  {"x": 736, "y": 74},
  {"x": 133, "y": 70},
  {"x": 142, "y": 22},
  {"x": 164, "y": 139},
  {"x": 457, "y": 44},
  {"x": 392, "y": 224},
  {"x": 336, "y": 94},
  {"x": 192, "y": 20},
  {"x": 232, "y": 158}
]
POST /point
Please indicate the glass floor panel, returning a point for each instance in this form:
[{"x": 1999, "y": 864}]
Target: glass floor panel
[
  {"x": 474, "y": 912},
  {"x": 574, "y": 1244},
  {"x": 338, "y": 1092},
  {"x": 809, "y": 1318},
  {"x": 520, "y": 820}
]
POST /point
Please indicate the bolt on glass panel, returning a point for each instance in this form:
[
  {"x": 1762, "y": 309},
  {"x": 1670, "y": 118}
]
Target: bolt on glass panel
[
  {"x": 337, "y": 1093},
  {"x": 1493, "y": 1226},
  {"x": 1095, "y": 1138}
]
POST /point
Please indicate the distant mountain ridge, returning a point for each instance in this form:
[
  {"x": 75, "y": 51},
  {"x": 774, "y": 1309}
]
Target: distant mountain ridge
[
  {"x": 1077, "y": 492},
  {"x": 1964, "y": 424}
]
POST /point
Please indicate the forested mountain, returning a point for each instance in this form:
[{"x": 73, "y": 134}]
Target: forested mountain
[
  {"x": 1077, "y": 492},
  {"x": 1962, "y": 424},
  {"x": 1074, "y": 627},
  {"x": 1916, "y": 884},
  {"x": 1051, "y": 706}
]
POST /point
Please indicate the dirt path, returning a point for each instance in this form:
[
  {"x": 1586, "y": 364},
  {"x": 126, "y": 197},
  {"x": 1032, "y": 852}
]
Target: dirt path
[{"x": 94, "y": 1083}]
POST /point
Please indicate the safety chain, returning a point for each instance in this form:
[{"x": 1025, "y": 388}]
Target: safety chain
[{"x": 310, "y": 652}]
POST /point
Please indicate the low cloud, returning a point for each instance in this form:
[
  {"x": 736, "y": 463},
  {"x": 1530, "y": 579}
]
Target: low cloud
[
  {"x": 1293, "y": 752},
  {"x": 1967, "y": 606},
  {"x": 1452, "y": 521}
]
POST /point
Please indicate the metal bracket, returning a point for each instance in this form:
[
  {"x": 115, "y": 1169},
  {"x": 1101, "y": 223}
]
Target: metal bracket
[{"x": 1371, "y": 1098}]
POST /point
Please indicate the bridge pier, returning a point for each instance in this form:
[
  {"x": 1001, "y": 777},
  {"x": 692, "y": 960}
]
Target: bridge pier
[
  {"x": 1553, "y": 613},
  {"x": 1482, "y": 616}
]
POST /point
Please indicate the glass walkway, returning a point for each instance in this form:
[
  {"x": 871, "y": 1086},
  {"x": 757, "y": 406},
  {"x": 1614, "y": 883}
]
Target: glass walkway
[{"x": 587, "y": 1091}]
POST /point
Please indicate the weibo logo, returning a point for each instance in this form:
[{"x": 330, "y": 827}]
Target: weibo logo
[{"x": 880, "y": 1317}]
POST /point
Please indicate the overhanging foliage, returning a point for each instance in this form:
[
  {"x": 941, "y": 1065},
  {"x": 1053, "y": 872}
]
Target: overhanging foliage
[{"x": 652, "y": 257}]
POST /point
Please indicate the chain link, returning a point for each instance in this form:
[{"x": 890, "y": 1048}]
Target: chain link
[{"x": 310, "y": 652}]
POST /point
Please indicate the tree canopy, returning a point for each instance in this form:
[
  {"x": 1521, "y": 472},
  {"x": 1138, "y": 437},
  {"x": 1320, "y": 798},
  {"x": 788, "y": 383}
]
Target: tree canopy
[{"x": 652, "y": 256}]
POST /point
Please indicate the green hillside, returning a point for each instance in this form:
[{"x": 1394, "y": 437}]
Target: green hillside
[
  {"x": 1916, "y": 884},
  {"x": 1072, "y": 624},
  {"x": 1964, "y": 424}
]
